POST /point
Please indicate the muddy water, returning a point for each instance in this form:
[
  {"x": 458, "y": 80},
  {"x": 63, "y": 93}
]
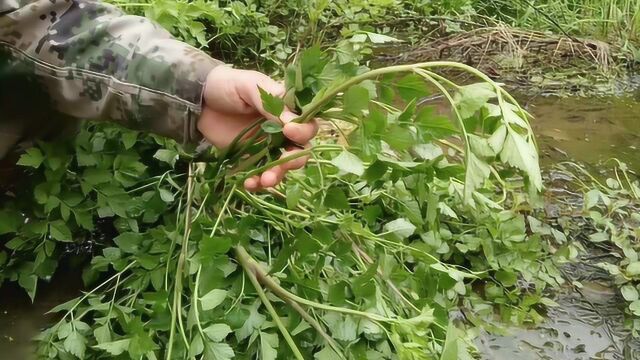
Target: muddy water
[
  {"x": 588, "y": 130},
  {"x": 587, "y": 325}
]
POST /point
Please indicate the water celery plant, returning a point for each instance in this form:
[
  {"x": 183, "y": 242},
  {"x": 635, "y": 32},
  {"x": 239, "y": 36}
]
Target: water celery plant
[{"x": 409, "y": 214}]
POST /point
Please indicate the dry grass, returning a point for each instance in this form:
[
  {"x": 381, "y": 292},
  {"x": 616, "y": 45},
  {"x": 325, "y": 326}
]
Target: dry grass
[{"x": 502, "y": 48}]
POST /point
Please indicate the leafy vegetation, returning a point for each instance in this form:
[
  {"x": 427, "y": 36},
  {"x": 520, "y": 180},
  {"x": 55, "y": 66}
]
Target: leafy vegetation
[{"x": 409, "y": 231}]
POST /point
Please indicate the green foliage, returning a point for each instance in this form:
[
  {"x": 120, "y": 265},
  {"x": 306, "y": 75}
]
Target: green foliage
[
  {"x": 371, "y": 249},
  {"x": 373, "y": 245},
  {"x": 610, "y": 211}
]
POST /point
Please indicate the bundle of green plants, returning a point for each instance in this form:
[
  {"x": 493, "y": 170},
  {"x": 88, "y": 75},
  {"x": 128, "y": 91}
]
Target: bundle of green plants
[{"x": 405, "y": 235}]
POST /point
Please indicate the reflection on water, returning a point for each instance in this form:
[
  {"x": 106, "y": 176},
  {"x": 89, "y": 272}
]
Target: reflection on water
[
  {"x": 588, "y": 324},
  {"x": 587, "y": 129}
]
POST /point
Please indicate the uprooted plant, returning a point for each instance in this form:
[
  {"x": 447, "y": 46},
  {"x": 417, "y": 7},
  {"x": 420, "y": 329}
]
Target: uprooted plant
[{"x": 411, "y": 213}]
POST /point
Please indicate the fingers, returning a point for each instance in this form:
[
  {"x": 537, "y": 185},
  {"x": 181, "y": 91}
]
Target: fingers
[
  {"x": 298, "y": 133},
  {"x": 252, "y": 183},
  {"x": 268, "y": 179},
  {"x": 274, "y": 176}
]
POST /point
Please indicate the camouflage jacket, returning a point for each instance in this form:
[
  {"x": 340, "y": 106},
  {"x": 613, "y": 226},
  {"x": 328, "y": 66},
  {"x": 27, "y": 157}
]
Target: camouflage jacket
[{"x": 83, "y": 59}]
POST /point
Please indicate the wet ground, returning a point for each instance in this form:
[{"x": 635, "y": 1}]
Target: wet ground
[{"x": 587, "y": 325}]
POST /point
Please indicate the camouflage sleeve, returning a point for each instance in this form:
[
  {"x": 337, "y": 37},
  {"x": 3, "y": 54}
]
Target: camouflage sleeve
[{"x": 94, "y": 62}]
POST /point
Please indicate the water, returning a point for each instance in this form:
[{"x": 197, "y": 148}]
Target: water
[
  {"x": 587, "y": 325},
  {"x": 20, "y": 320}
]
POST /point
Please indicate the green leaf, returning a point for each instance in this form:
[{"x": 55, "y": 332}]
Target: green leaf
[
  {"x": 294, "y": 194},
  {"x": 129, "y": 242},
  {"x": 212, "y": 299},
  {"x": 381, "y": 39},
  {"x": 507, "y": 278},
  {"x": 60, "y": 231},
  {"x": 32, "y": 158},
  {"x": 75, "y": 344},
  {"x": 635, "y": 307},
  {"x": 428, "y": 151},
  {"x": 217, "y": 332},
  {"x": 114, "y": 347},
  {"x": 342, "y": 327},
  {"x": 471, "y": 98},
  {"x": 629, "y": 292},
  {"x": 375, "y": 171},
  {"x": 399, "y": 138},
  {"x": 450, "y": 348},
  {"x": 477, "y": 172},
  {"x": 356, "y": 99},
  {"x": 268, "y": 346},
  {"x": 218, "y": 351},
  {"x": 272, "y": 104},
  {"x": 129, "y": 139},
  {"x": 212, "y": 246},
  {"x": 327, "y": 354},
  {"x": 522, "y": 154},
  {"x": 400, "y": 227},
  {"x": 10, "y": 221},
  {"x": 336, "y": 199},
  {"x": 168, "y": 156},
  {"x": 412, "y": 87},
  {"x": 102, "y": 334},
  {"x": 599, "y": 237},
  {"x": 252, "y": 323},
  {"x": 633, "y": 269},
  {"x": 271, "y": 127},
  {"x": 348, "y": 163},
  {"x": 480, "y": 146},
  {"x": 166, "y": 195}
]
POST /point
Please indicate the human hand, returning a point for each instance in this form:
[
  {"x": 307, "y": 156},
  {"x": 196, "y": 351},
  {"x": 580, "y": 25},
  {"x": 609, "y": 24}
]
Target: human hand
[{"x": 232, "y": 103}]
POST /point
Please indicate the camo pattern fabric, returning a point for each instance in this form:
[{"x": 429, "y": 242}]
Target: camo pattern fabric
[{"x": 87, "y": 60}]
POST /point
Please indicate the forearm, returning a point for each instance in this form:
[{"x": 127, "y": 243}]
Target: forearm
[{"x": 94, "y": 62}]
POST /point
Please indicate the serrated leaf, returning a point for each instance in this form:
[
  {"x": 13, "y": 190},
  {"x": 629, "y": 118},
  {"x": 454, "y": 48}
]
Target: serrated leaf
[
  {"x": 33, "y": 157},
  {"x": 471, "y": 98},
  {"x": 217, "y": 332},
  {"x": 349, "y": 163},
  {"x": 272, "y": 104},
  {"x": 412, "y": 87},
  {"x": 268, "y": 346},
  {"x": 114, "y": 347},
  {"x": 218, "y": 351},
  {"x": 496, "y": 141},
  {"x": 399, "y": 138},
  {"x": 212, "y": 299},
  {"x": 75, "y": 344},
  {"x": 522, "y": 154}
]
